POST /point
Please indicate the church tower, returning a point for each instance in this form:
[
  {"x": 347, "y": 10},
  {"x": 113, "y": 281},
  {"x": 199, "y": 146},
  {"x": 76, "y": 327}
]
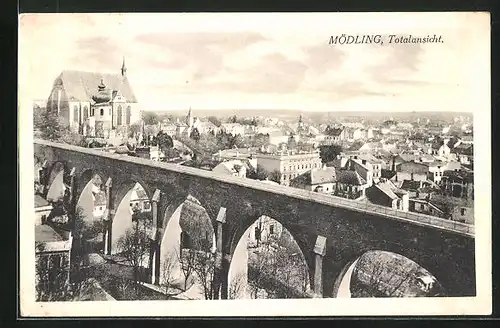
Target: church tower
[
  {"x": 189, "y": 118},
  {"x": 124, "y": 68}
]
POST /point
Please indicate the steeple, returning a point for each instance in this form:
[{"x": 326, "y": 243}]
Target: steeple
[
  {"x": 124, "y": 68},
  {"x": 189, "y": 118}
]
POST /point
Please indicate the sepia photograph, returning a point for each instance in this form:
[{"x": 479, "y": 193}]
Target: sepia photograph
[{"x": 305, "y": 164}]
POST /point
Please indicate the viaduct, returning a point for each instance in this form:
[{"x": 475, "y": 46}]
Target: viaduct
[{"x": 331, "y": 232}]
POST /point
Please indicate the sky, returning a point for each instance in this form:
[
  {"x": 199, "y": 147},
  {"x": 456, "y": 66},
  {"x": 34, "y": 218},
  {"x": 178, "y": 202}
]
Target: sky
[{"x": 257, "y": 61}]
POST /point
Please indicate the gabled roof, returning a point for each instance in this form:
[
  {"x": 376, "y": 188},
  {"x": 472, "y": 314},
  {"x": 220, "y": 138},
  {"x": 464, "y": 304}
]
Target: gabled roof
[
  {"x": 335, "y": 132},
  {"x": 99, "y": 198},
  {"x": 350, "y": 177},
  {"x": 81, "y": 86},
  {"x": 45, "y": 233},
  {"x": 40, "y": 201},
  {"x": 317, "y": 176}
]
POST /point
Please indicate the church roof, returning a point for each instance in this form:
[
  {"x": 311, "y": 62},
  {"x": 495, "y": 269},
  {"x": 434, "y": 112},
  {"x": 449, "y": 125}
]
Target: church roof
[{"x": 81, "y": 86}]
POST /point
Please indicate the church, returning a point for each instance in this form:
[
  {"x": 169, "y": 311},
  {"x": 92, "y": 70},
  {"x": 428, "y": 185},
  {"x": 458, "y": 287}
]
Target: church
[{"x": 95, "y": 104}]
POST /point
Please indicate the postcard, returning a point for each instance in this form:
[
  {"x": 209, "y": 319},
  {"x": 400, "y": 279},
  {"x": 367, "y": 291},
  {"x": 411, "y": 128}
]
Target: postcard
[{"x": 254, "y": 164}]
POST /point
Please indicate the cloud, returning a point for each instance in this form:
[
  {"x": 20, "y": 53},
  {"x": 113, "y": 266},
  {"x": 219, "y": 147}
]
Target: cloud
[
  {"x": 203, "y": 52},
  {"x": 322, "y": 58},
  {"x": 400, "y": 60},
  {"x": 98, "y": 51}
]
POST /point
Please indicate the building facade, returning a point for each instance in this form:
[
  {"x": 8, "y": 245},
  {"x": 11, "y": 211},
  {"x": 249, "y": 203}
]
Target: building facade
[
  {"x": 93, "y": 103},
  {"x": 289, "y": 163}
]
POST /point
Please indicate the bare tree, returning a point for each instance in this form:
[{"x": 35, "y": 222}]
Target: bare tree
[
  {"x": 237, "y": 286},
  {"x": 135, "y": 244},
  {"x": 167, "y": 269},
  {"x": 187, "y": 260},
  {"x": 204, "y": 268}
]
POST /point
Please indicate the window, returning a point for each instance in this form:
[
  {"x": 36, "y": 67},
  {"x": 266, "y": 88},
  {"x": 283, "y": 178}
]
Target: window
[
  {"x": 102, "y": 111},
  {"x": 284, "y": 176},
  {"x": 92, "y": 112},
  {"x": 75, "y": 113},
  {"x": 462, "y": 211},
  {"x": 147, "y": 205},
  {"x": 85, "y": 112},
  {"x": 44, "y": 218},
  {"x": 271, "y": 229},
  {"x": 109, "y": 112},
  {"x": 422, "y": 207},
  {"x": 119, "y": 115},
  {"x": 129, "y": 114}
]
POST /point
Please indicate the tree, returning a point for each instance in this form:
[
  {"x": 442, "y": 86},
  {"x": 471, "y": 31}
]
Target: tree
[
  {"x": 50, "y": 125},
  {"x": 258, "y": 173},
  {"x": 134, "y": 129},
  {"x": 275, "y": 176},
  {"x": 237, "y": 286},
  {"x": 135, "y": 244},
  {"x": 329, "y": 153},
  {"x": 204, "y": 268},
  {"x": 167, "y": 269},
  {"x": 195, "y": 135},
  {"x": 150, "y": 118},
  {"x": 187, "y": 258},
  {"x": 37, "y": 116},
  {"x": 233, "y": 119},
  {"x": 164, "y": 142},
  {"x": 214, "y": 120}
]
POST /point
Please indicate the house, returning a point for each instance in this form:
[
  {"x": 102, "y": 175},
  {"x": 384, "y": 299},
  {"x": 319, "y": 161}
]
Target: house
[
  {"x": 99, "y": 199},
  {"x": 319, "y": 180},
  {"x": 464, "y": 153},
  {"x": 436, "y": 171},
  {"x": 153, "y": 153},
  {"x": 52, "y": 254},
  {"x": 362, "y": 167},
  {"x": 424, "y": 206},
  {"x": 458, "y": 184},
  {"x": 289, "y": 163},
  {"x": 233, "y": 128},
  {"x": 139, "y": 199},
  {"x": 467, "y": 139},
  {"x": 334, "y": 135},
  {"x": 419, "y": 188},
  {"x": 456, "y": 209},
  {"x": 42, "y": 210},
  {"x": 243, "y": 154},
  {"x": 349, "y": 184},
  {"x": 234, "y": 168},
  {"x": 412, "y": 171},
  {"x": 264, "y": 230},
  {"x": 385, "y": 193}
]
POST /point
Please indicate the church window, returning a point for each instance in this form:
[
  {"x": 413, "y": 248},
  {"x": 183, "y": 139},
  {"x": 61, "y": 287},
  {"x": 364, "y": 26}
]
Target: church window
[
  {"x": 129, "y": 113},
  {"x": 75, "y": 113},
  {"x": 119, "y": 116},
  {"x": 85, "y": 112}
]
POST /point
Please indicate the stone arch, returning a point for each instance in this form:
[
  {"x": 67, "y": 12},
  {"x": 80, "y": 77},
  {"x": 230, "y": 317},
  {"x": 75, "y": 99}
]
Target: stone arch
[
  {"x": 184, "y": 215},
  {"x": 238, "y": 267},
  {"x": 88, "y": 189},
  {"x": 120, "y": 205},
  {"x": 420, "y": 258},
  {"x": 55, "y": 182}
]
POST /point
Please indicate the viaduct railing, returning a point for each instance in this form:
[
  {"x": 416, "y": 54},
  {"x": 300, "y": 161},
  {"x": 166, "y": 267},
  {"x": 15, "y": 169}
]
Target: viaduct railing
[{"x": 410, "y": 217}]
